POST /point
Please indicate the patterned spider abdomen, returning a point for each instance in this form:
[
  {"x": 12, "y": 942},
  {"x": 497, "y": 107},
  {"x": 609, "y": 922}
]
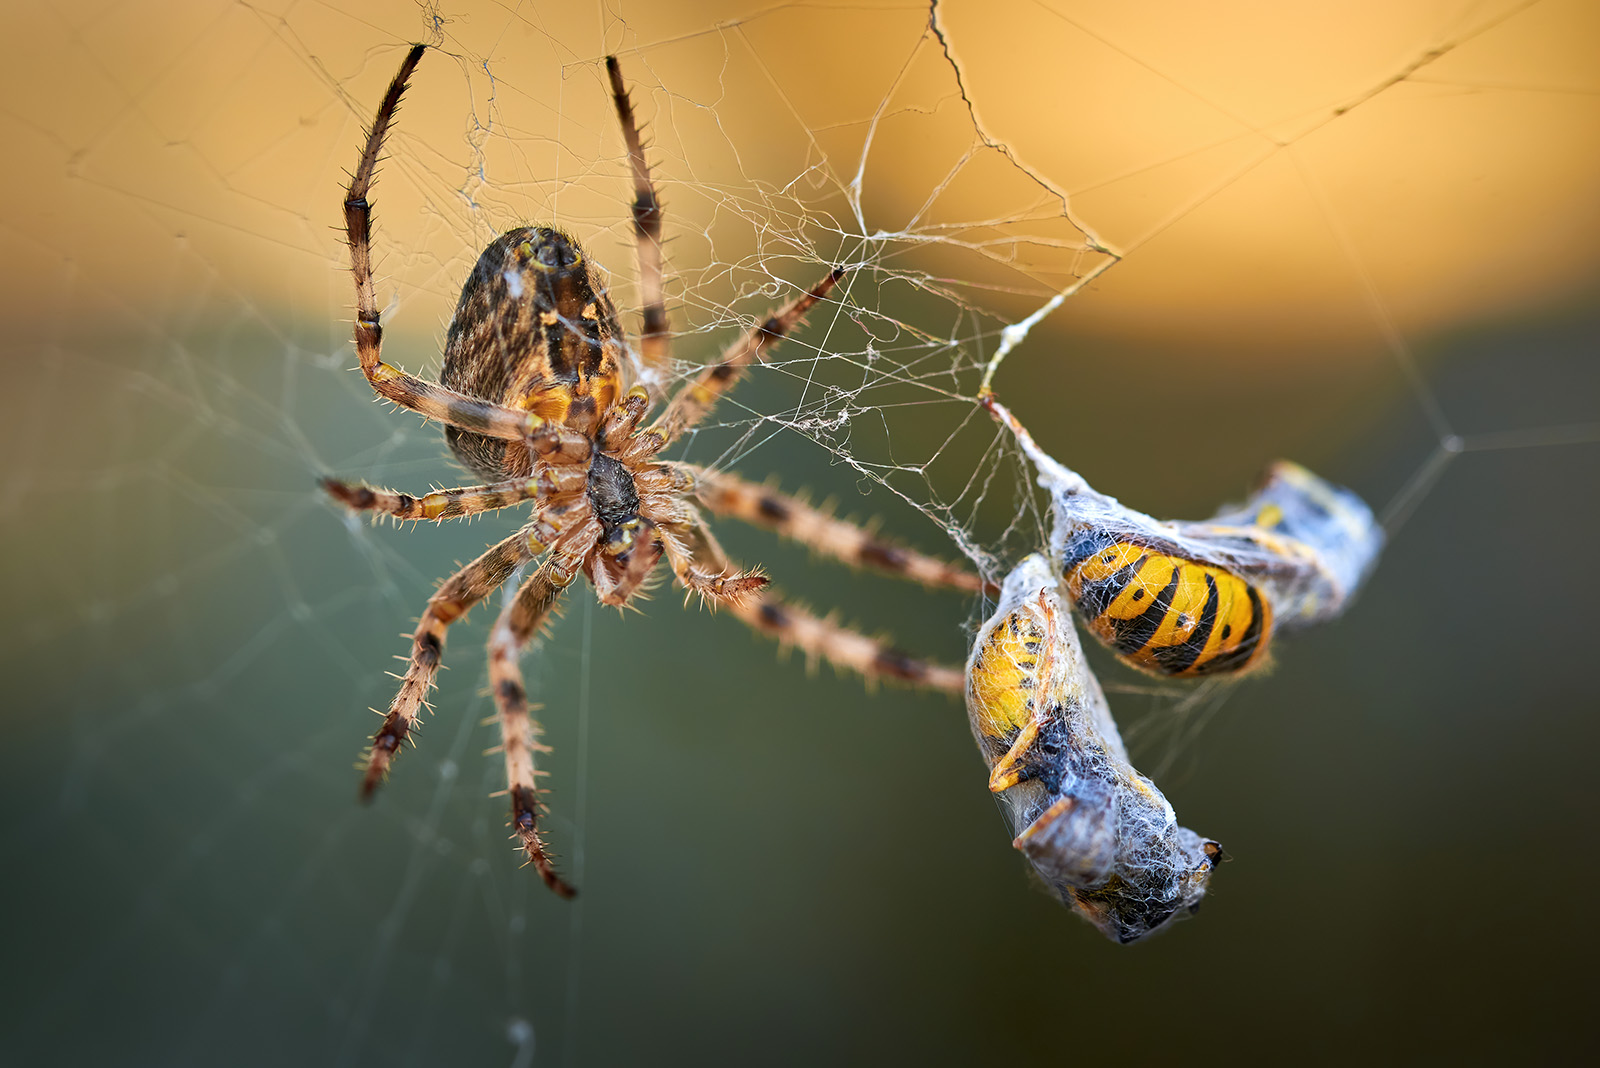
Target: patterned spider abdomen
[{"x": 533, "y": 315}]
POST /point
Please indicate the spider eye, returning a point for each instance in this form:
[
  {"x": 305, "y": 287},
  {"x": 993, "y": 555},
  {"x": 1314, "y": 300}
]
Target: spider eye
[{"x": 552, "y": 250}]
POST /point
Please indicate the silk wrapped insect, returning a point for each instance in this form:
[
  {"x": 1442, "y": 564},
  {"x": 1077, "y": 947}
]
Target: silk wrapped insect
[
  {"x": 1204, "y": 598},
  {"x": 1099, "y": 833},
  {"x": 1170, "y": 598}
]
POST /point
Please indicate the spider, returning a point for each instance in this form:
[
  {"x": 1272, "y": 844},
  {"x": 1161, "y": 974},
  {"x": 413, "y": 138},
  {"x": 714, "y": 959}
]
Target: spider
[{"x": 538, "y": 396}]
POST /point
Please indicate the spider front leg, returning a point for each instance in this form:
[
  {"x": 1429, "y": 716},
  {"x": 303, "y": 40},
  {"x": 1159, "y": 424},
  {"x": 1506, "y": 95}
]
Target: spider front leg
[
  {"x": 426, "y": 398},
  {"x": 691, "y": 403},
  {"x": 793, "y": 518},
  {"x": 458, "y": 594},
  {"x": 523, "y": 618},
  {"x": 654, "y": 341},
  {"x": 820, "y": 638}
]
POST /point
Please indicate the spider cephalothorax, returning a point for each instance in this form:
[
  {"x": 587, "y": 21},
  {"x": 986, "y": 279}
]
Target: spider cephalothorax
[{"x": 542, "y": 395}]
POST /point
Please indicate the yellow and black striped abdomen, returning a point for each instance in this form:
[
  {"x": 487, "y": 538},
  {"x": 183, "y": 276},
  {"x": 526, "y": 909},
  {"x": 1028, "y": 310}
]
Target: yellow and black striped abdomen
[{"x": 1166, "y": 614}]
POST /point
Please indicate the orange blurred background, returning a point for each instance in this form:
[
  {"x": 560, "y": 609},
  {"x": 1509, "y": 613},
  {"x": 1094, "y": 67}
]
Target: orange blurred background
[{"x": 1278, "y": 176}]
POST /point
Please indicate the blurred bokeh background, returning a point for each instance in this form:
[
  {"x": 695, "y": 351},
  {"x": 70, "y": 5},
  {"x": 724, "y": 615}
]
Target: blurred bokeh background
[{"x": 1365, "y": 239}]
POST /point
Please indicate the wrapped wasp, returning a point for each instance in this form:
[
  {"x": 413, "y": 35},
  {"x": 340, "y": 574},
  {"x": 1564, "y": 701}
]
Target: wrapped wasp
[
  {"x": 1177, "y": 599},
  {"x": 1098, "y": 833},
  {"x": 1204, "y": 598}
]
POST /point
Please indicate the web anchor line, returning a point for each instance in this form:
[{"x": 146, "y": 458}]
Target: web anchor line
[{"x": 1016, "y": 333}]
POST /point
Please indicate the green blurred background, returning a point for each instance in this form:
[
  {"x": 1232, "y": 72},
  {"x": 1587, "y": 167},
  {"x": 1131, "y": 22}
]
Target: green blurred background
[{"x": 778, "y": 865}]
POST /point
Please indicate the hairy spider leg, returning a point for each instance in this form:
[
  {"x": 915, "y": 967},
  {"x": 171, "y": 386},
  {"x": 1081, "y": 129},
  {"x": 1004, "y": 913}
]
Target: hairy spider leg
[
  {"x": 654, "y": 341},
  {"x": 527, "y": 614},
  {"x": 793, "y": 518},
  {"x": 843, "y": 647},
  {"x": 452, "y": 600},
  {"x": 818, "y": 638},
  {"x": 697, "y": 397},
  {"x": 438, "y": 505},
  {"x": 549, "y": 440},
  {"x": 428, "y": 399}
]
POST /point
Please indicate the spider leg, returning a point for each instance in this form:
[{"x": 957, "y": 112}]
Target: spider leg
[
  {"x": 691, "y": 403},
  {"x": 426, "y": 398},
  {"x": 822, "y": 638},
  {"x": 654, "y": 342},
  {"x": 524, "y": 617},
  {"x": 548, "y": 442},
  {"x": 438, "y": 505},
  {"x": 763, "y": 506},
  {"x": 458, "y": 594},
  {"x": 841, "y": 646},
  {"x": 567, "y": 447}
]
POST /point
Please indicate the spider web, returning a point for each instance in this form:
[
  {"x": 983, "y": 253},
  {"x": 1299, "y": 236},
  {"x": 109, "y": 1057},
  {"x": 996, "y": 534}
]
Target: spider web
[{"x": 1182, "y": 243}]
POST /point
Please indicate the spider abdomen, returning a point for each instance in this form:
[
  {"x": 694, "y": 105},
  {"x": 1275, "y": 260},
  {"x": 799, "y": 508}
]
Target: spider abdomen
[{"x": 534, "y": 329}]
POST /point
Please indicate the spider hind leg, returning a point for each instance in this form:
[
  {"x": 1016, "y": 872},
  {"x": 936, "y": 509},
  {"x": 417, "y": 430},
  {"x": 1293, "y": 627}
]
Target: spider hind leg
[
  {"x": 524, "y": 617},
  {"x": 452, "y": 601}
]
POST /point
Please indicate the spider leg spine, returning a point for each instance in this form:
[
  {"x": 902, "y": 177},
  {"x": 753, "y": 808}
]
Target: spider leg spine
[
  {"x": 437, "y": 505},
  {"x": 844, "y": 648},
  {"x": 813, "y": 526},
  {"x": 452, "y": 600},
  {"x": 428, "y": 399},
  {"x": 692, "y": 402},
  {"x": 655, "y": 337},
  {"x": 521, "y": 620}
]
